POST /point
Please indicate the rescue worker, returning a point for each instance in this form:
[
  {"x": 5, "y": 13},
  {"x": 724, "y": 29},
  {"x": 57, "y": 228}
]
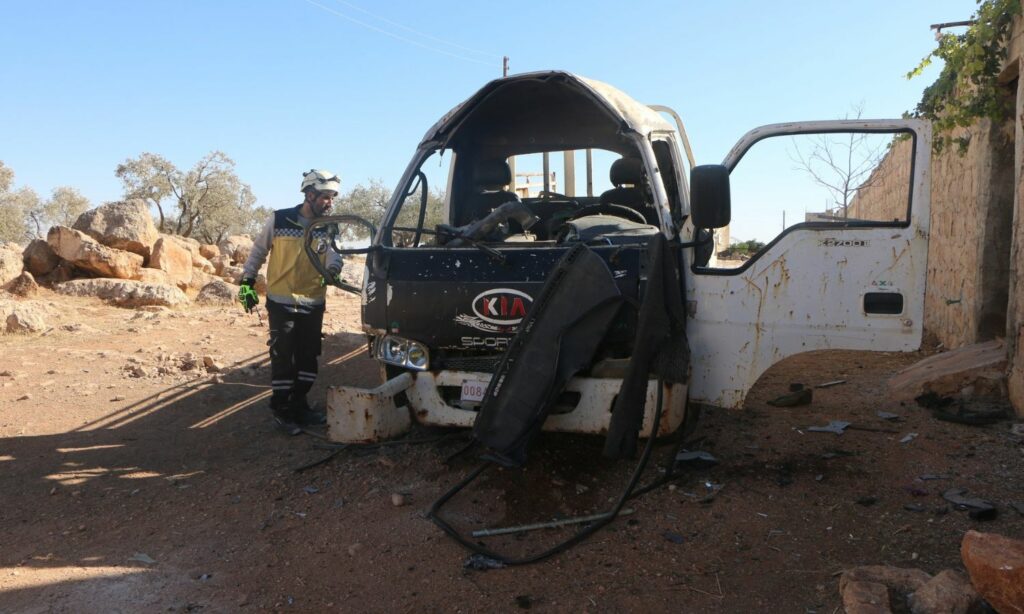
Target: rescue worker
[{"x": 295, "y": 299}]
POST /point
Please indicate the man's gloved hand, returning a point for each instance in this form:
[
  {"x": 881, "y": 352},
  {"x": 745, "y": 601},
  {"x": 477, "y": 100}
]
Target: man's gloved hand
[
  {"x": 333, "y": 276},
  {"x": 247, "y": 294}
]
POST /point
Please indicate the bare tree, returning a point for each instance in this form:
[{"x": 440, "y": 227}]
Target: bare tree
[{"x": 842, "y": 163}]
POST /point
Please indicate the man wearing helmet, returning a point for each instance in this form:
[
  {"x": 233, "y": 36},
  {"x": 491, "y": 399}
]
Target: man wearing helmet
[{"x": 295, "y": 299}]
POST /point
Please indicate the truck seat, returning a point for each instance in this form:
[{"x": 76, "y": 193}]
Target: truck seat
[
  {"x": 631, "y": 189},
  {"x": 489, "y": 180}
]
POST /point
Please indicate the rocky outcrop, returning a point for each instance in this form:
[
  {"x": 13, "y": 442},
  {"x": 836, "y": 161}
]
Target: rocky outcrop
[
  {"x": 201, "y": 279},
  {"x": 169, "y": 256},
  {"x": 208, "y": 251},
  {"x": 124, "y": 225},
  {"x": 154, "y": 276},
  {"x": 24, "y": 285},
  {"x": 996, "y": 566},
  {"x": 237, "y": 248},
  {"x": 23, "y": 316},
  {"x": 39, "y": 258},
  {"x": 85, "y": 253},
  {"x": 204, "y": 265},
  {"x": 125, "y": 293},
  {"x": 10, "y": 263},
  {"x": 217, "y": 293}
]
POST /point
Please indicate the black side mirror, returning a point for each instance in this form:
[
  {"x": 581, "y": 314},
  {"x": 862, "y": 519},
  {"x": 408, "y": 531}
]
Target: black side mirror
[{"x": 710, "y": 204}]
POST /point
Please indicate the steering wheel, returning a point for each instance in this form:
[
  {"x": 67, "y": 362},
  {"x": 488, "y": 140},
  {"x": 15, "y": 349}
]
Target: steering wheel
[
  {"x": 549, "y": 195},
  {"x": 611, "y": 209}
]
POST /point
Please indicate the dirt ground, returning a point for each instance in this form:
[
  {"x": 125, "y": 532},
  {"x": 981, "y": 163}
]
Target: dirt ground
[{"x": 132, "y": 479}]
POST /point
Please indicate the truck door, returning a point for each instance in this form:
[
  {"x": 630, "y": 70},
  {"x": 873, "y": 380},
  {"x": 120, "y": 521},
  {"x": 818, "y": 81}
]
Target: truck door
[{"x": 827, "y": 249}]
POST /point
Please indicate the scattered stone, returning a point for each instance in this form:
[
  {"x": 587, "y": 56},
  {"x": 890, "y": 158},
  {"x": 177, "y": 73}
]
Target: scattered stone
[
  {"x": 85, "y": 253},
  {"x": 996, "y": 566},
  {"x": 142, "y": 558},
  {"x": 25, "y": 397},
  {"x": 212, "y": 365},
  {"x": 865, "y": 598},
  {"x": 123, "y": 225},
  {"x": 353, "y": 549},
  {"x": 125, "y": 293},
  {"x": 217, "y": 292},
  {"x": 25, "y": 318},
  {"x": 397, "y": 499},
  {"x": 39, "y": 258},
  {"x": 803, "y": 396},
  {"x": 24, "y": 285},
  {"x": 981, "y": 365},
  {"x": 901, "y": 580},
  {"x": 949, "y": 591}
]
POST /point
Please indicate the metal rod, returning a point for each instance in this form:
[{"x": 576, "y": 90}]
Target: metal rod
[{"x": 547, "y": 525}]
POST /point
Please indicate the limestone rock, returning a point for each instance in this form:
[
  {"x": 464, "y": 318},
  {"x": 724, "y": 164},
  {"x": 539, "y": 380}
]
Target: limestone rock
[
  {"x": 11, "y": 264},
  {"x": 24, "y": 285},
  {"x": 232, "y": 273},
  {"x": 186, "y": 243},
  {"x": 217, "y": 293},
  {"x": 125, "y": 293},
  {"x": 948, "y": 373},
  {"x": 121, "y": 225},
  {"x": 948, "y": 592},
  {"x": 169, "y": 256},
  {"x": 901, "y": 580},
  {"x": 237, "y": 248},
  {"x": 85, "y": 253},
  {"x": 39, "y": 258},
  {"x": 154, "y": 276},
  {"x": 25, "y": 318},
  {"x": 208, "y": 251},
  {"x": 204, "y": 265},
  {"x": 865, "y": 598},
  {"x": 201, "y": 279},
  {"x": 996, "y": 566},
  {"x": 219, "y": 262}
]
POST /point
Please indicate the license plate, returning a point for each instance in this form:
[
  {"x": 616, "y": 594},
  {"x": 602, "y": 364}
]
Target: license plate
[{"x": 473, "y": 390}]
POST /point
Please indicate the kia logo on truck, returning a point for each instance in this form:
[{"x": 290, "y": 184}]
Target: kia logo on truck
[{"x": 501, "y": 306}]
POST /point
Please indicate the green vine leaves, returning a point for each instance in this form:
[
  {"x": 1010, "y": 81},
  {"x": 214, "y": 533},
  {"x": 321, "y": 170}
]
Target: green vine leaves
[{"x": 967, "y": 89}]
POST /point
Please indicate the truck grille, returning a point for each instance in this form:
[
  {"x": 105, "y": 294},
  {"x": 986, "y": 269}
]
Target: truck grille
[{"x": 482, "y": 364}]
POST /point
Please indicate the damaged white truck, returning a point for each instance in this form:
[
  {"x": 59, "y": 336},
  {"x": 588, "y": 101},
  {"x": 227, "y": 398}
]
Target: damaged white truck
[{"x": 514, "y": 309}]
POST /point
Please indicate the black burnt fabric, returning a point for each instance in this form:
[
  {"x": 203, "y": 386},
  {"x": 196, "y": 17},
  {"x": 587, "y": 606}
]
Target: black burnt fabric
[
  {"x": 660, "y": 348},
  {"x": 556, "y": 340}
]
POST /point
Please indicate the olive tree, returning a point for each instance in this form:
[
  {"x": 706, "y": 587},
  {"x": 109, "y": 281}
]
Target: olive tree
[{"x": 207, "y": 201}]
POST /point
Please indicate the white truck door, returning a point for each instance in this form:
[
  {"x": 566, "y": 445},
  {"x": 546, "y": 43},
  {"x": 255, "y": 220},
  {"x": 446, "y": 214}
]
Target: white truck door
[{"x": 847, "y": 273}]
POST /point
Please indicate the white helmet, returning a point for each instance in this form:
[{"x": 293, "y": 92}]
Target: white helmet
[{"x": 321, "y": 181}]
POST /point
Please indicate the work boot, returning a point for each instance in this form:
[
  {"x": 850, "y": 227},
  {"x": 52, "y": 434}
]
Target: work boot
[
  {"x": 304, "y": 414},
  {"x": 285, "y": 418}
]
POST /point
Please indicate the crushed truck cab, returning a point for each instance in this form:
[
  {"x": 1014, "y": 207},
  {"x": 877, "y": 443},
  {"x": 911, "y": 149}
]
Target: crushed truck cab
[{"x": 505, "y": 184}]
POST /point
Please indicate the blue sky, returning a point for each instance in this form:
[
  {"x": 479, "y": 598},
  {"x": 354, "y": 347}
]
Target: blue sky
[{"x": 285, "y": 85}]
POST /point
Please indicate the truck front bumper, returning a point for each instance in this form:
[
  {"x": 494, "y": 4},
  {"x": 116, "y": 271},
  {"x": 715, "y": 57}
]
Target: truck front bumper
[{"x": 365, "y": 415}]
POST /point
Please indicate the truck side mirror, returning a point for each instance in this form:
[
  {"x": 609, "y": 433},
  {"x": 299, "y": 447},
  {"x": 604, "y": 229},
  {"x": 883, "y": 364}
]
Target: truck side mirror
[{"x": 709, "y": 196}]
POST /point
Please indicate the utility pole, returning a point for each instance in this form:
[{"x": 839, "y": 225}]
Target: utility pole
[{"x": 504, "y": 66}]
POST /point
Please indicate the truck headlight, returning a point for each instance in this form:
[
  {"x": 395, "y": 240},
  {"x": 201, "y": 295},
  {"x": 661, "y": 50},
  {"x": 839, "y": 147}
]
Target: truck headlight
[{"x": 402, "y": 352}]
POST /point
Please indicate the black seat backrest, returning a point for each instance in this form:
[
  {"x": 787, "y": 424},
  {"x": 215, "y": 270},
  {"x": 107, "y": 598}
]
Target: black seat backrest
[
  {"x": 489, "y": 180},
  {"x": 631, "y": 189}
]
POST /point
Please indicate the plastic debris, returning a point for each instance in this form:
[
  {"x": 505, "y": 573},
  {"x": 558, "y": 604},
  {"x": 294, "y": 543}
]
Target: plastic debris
[
  {"x": 832, "y": 383},
  {"x": 908, "y": 438},
  {"x": 142, "y": 558},
  {"x": 932, "y": 476},
  {"x": 675, "y": 538},
  {"x": 957, "y": 496},
  {"x": 836, "y": 426},
  {"x": 891, "y": 417},
  {"x": 311, "y": 490},
  {"x": 697, "y": 459},
  {"x": 479, "y": 562}
]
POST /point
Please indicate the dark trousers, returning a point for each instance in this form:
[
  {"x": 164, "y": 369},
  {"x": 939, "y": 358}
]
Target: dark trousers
[{"x": 295, "y": 344}]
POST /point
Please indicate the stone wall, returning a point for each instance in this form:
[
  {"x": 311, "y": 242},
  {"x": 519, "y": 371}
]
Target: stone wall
[{"x": 971, "y": 221}]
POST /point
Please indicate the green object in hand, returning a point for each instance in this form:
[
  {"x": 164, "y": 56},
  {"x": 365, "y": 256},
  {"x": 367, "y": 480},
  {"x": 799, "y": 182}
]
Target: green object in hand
[{"x": 247, "y": 294}]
